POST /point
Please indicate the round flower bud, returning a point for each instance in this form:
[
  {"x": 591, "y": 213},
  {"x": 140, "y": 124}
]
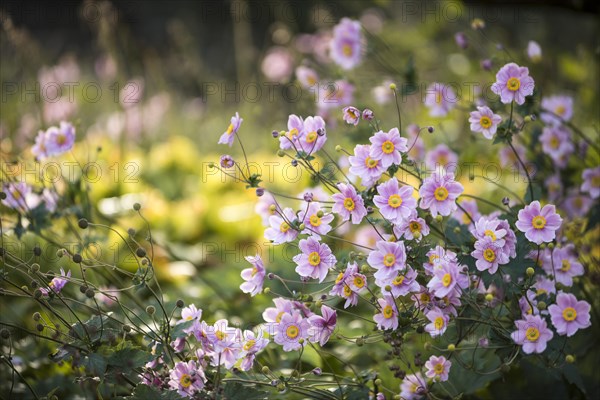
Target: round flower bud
[
  {"x": 37, "y": 251},
  {"x": 137, "y": 206},
  {"x": 140, "y": 252},
  {"x": 275, "y": 134},
  {"x": 457, "y": 230},
  {"x": 89, "y": 293},
  {"x": 360, "y": 341},
  {"x": 77, "y": 258},
  {"x": 430, "y": 129},
  {"x": 60, "y": 253},
  {"x": 211, "y": 165},
  {"x": 378, "y": 382},
  {"x": 5, "y": 334},
  {"x": 368, "y": 114},
  {"x": 486, "y": 64},
  {"x": 82, "y": 223},
  {"x": 439, "y": 218},
  {"x": 150, "y": 310},
  {"x": 318, "y": 303},
  {"x": 541, "y": 305},
  {"x": 570, "y": 358},
  {"x": 302, "y": 227},
  {"x": 301, "y": 341},
  {"x": 393, "y": 86},
  {"x": 317, "y": 371},
  {"x": 489, "y": 297},
  {"x": 131, "y": 232},
  {"x": 39, "y": 327},
  {"x": 364, "y": 268},
  {"x": 35, "y": 267},
  {"x": 180, "y": 303},
  {"x": 2, "y": 195},
  {"x": 282, "y": 133},
  {"x": 260, "y": 192},
  {"x": 551, "y": 245},
  {"x": 420, "y": 329},
  {"x": 37, "y": 293},
  {"x": 37, "y": 316},
  {"x": 506, "y": 201},
  {"x": 308, "y": 197},
  {"x": 83, "y": 288},
  {"x": 451, "y": 347},
  {"x": 281, "y": 386},
  {"x": 477, "y": 23},
  {"x": 530, "y": 271},
  {"x": 294, "y": 163},
  {"x": 267, "y": 290},
  {"x": 294, "y": 374},
  {"x": 33, "y": 284},
  {"x": 388, "y": 288},
  {"x": 338, "y": 148},
  {"x": 272, "y": 207},
  {"x": 265, "y": 370},
  {"x": 280, "y": 153},
  {"x": 320, "y": 214},
  {"x": 427, "y": 345},
  {"x": 527, "y": 118},
  {"x": 126, "y": 328}
]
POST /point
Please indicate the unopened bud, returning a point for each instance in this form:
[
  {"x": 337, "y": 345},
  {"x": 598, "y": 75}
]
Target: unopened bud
[
  {"x": 150, "y": 310},
  {"x": 530, "y": 271},
  {"x": 451, "y": 347},
  {"x": 570, "y": 358},
  {"x": 179, "y": 303},
  {"x": 137, "y": 206},
  {"x": 82, "y": 223},
  {"x": 393, "y": 86},
  {"x": 35, "y": 267}
]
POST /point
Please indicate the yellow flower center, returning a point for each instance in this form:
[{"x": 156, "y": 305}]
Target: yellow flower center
[
  {"x": 569, "y": 314},
  {"x": 16, "y": 194},
  {"x": 339, "y": 277},
  {"x": 279, "y": 316},
  {"x": 596, "y": 181},
  {"x": 351, "y": 113},
  {"x": 414, "y": 227},
  {"x": 347, "y": 50},
  {"x": 513, "y": 84},
  {"x": 438, "y": 97},
  {"x": 554, "y": 142},
  {"x": 220, "y": 335},
  {"x": 314, "y": 259},
  {"x": 538, "y": 222},
  {"x": 292, "y": 331},
  {"x": 311, "y": 137},
  {"x": 441, "y": 193},
  {"x": 387, "y": 147},
  {"x": 249, "y": 344},
  {"x": 565, "y": 265},
  {"x": 389, "y": 259},
  {"x": 489, "y": 255},
  {"x": 490, "y": 234},
  {"x": 61, "y": 139},
  {"x": 359, "y": 282},
  {"x": 230, "y": 129},
  {"x": 348, "y": 204},
  {"x": 532, "y": 334},
  {"x": 438, "y": 369},
  {"x": 388, "y": 312},
  {"x": 398, "y": 280},
  {"x": 485, "y": 122},
  {"x": 292, "y": 133},
  {"x": 432, "y": 258},
  {"x": 446, "y": 280},
  {"x": 254, "y": 271},
  {"x": 347, "y": 291},
  {"x": 425, "y": 298},
  {"x": 314, "y": 220},
  {"x": 560, "y": 110},
  {"x": 395, "y": 201},
  {"x": 371, "y": 163},
  {"x": 185, "y": 381},
  {"x": 438, "y": 323}
]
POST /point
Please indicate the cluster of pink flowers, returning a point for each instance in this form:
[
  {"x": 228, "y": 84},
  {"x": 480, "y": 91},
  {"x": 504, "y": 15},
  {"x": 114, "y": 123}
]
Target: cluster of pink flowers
[{"x": 54, "y": 141}]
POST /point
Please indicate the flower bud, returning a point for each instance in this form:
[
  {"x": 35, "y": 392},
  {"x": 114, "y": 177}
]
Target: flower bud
[
  {"x": 477, "y": 23},
  {"x": 267, "y": 290},
  {"x": 60, "y": 253},
  {"x": 37, "y": 316},
  {"x": 301, "y": 227},
  {"x": 393, "y": 86},
  {"x": 150, "y": 310},
  {"x": 280, "y": 153},
  {"x": 211, "y": 165},
  {"x": 489, "y": 297},
  {"x": 37, "y": 293},
  {"x": 360, "y": 341},
  {"x": 486, "y": 64},
  {"x": 368, "y": 114},
  {"x": 570, "y": 358},
  {"x": 320, "y": 214},
  {"x": 137, "y": 206},
  {"x": 530, "y": 271},
  {"x": 541, "y": 305},
  {"x": 505, "y": 201},
  {"x": 126, "y": 328},
  {"x": 275, "y": 134},
  {"x": 338, "y": 148},
  {"x": 37, "y": 251},
  {"x": 82, "y": 223},
  {"x": 430, "y": 129},
  {"x": 388, "y": 288},
  {"x": 180, "y": 303},
  {"x": 308, "y": 197},
  {"x": 35, "y": 267},
  {"x": 378, "y": 382},
  {"x": 294, "y": 163},
  {"x": 317, "y": 371},
  {"x": 77, "y": 258},
  {"x": 451, "y": 347},
  {"x": 4, "y": 334},
  {"x": 39, "y": 327},
  {"x": 89, "y": 293},
  {"x": 439, "y": 218},
  {"x": 260, "y": 192},
  {"x": 265, "y": 370}
]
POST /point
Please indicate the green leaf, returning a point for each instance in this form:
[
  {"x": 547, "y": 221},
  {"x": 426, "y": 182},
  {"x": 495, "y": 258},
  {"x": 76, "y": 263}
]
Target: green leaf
[
  {"x": 128, "y": 358},
  {"x": 94, "y": 364},
  {"x": 239, "y": 391},
  {"x": 572, "y": 375},
  {"x": 177, "y": 331}
]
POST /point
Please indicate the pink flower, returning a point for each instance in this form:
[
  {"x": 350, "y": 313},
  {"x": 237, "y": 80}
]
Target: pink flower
[
  {"x": 345, "y": 47},
  {"x": 489, "y": 255},
  {"x": 445, "y": 280},
  {"x": 321, "y": 327},
  {"x": 295, "y": 127},
  {"x": 556, "y": 142},
  {"x": 438, "y": 322},
  {"x": 559, "y": 109},
  {"x": 485, "y": 121},
  {"x": 401, "y": 284},
  {"x": 368, "y": 169},
  {"x": 441, "y": 158},
  {"x": 534, "y": 51},
  {"x": 395, "y": 203},
  {"x": 438, "y": 368},
  {"x": 187, "y": 378},
  {"x": 413, "y": 387},
  {"x": 19, "y": 196},
  {"x": 388, "y": 317},
  {"x": 252, "y": 344},
  {"x": 411, "y": 228},
  {"x": 539, "y": 225},
  {"x": 57, "y": 283},
  {"x": 439, "y": 193},
  {"x": 278, "y": 64},
  {"x": 315, "y": 260},
  {"x": 470, "y": 206},
  {"x": 351, "y": 115},
  {"x": 254, "y": 276},
  {"x": 315, "y": 225},
  {"x": 229, "y": 135},
  {"x": 314, "y": 136},
  {"x": 388, "y": 259},
  {"x": 290, "y": 330},
  {"x": 569, "y": 315},
  {"x": 440, "y": 99},
  {"x": 563, "y": 265},
  {"x": 387, "y": 146},
  {"x": 280, "y": 230},
  {"x": 348, "y": 204},
  {"x": 307, "y": 77},
  {"x": 226, "y": 161},
  {"x": 190, "y": 313},
  {"x": 513, "y": 83},
  {"x": 591, "y": 182},
  {"x": 532, "y": 333},
  {"x": 348, "y": 284},
  {"x": 54, "y": 141},
  {"x": 336, "y": 94}
]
